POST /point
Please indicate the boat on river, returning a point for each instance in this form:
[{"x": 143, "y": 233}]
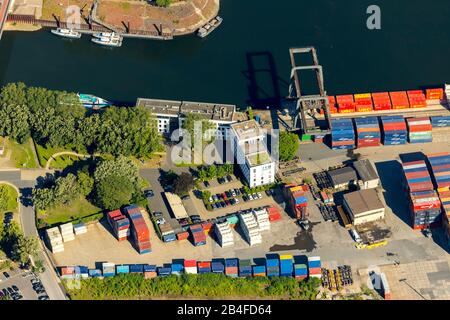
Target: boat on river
[
  {"x": 66, "y": 33},
  {"x": 108, "y": 41},
  {"x": 209, "y": 27},
  {"x": 109, "y": 35},
  {"x": 93, "y": 102}
]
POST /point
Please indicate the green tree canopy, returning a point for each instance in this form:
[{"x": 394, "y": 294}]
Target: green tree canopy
[
  {"x": 288, "y": 145},
  {"x": 183, "y": 184}
]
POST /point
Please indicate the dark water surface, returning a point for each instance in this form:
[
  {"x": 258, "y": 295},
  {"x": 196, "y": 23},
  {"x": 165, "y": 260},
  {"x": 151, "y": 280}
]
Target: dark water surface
[{"x": 247, "y": 58}]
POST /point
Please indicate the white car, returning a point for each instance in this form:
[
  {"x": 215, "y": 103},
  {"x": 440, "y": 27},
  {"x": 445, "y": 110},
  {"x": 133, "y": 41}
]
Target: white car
[
  {"x": 355, "y": 236},
  {"x": 250, "y": 197},
  {"x": 255, "y": 196},
  {"x": 161, "y": 221},
  {"x": 211, "y": 199},
  {"x": 259, "y": 195},
  {"x": 236, "y": 200}
]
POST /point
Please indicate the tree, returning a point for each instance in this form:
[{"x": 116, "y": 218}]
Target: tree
[
  {"x": 206, "y": 194},
  {"x": 38, "y": 267},
  {"x": 183, "y": 184},
  {"x": 7, "y": 198},
  {"x": 250, "y": 112},
  {"x": 212, "y": 171},
  {"x": 14, "y": 122},
  {"x": 163, "y": 3},
  {"x": 288, "y": 145},
  {"x": 86, "y": 183},
  {"x": 114, "y": 191},
  {"x": 24, "y": 248}
]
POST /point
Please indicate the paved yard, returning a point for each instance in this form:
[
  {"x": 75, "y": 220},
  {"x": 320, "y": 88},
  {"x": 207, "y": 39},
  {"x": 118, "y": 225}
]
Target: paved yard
[{"x": 22, "y": 280}]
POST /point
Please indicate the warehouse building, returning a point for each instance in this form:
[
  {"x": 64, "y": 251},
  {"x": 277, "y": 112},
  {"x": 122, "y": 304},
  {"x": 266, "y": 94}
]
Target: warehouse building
[
  {"x": 252, "y": 154},
  {"x": 368, "y": 177},
  {"x": 364, "y": 206},
  {"x": 343, "y": 178},
  {"x": 171, "y": 114}
]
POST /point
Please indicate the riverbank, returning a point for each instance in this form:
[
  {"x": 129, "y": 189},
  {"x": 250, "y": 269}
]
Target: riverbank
[{"x": 181, "y": 18}]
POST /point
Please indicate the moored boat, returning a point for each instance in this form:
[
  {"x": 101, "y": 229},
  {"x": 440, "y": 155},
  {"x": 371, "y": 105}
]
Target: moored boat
[
  {"x": 110, "y": 35},
  {"x": 107, "y": 41},
  {"x": 93, "y": 102},
  {"x": 209, "y": 27},
  {"x": 66, "y": 33}
]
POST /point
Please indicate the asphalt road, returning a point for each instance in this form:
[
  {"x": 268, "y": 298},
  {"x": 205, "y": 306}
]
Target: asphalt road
[{"x": 49, "y": 277}]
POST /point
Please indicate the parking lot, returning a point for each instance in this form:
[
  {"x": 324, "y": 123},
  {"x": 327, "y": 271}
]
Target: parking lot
[{"x": 21, "y": 285}]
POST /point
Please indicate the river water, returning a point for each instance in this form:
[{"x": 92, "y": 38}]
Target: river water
[{"x": 246, "y": 60}]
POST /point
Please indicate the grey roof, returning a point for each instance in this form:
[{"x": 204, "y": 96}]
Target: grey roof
[
  {"x": 365, "y": 170},
  {"x": 363, "y": 201},
  {"x": 342, "y": 175}
]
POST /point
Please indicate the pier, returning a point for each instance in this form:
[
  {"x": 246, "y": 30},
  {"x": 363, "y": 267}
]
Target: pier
[{"x": 4, "y": 7}]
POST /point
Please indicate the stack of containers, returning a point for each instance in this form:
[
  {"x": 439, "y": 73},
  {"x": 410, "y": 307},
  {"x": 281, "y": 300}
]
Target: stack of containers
[
  {"x": 177, "y": 268},
  {"x": 300, "y": 271},
  {"x": 394, "y": 130},
  {"x": 67, "y": 232},
  {"x": 232, "y": 220},
  {"x": 204, "y": 267},
  {"x": 319, "y": 138},
  {"x": 164, "y": 271},
  {"x": 445, "y": 200},
  {"x": 169, "y": 237},
  {"x": 363, "y": 102},
  {"x": 259, "y": 271},
  {"x": 79, "y": 228},
  {"x": 417, "y": 99},
  {"x": 139, "y": 229},
  {"x": 95, "y": 273},
  {"x": 440, "y": 167},
  {"x": 273, "y": 267},
  {"x": 420, "y": 130},
  {"x": 122, "y": 269},
  {"x": 385, "y": 287},
  {"x": 136, "y": 268},
  {"x": 274, "y": 213},
  {"x": 208, "y": 228},
  {"x": 182, "y": 236},
  {"x": 67, "y": 272},
  {"x": 245, "y": 268},
  {"x": 109, "y": 269},
  {"x": 368, "y": 132},
  {"x": 425, "y": 210},
  {"x": 342, "y": 134},
  {"x": 119, "y": 224},
  {"x": 345, "y": 103},
  {"x": 381, "y": 101},
  {"x": 198, "y": 235},
  {"x": 84, "y": 271},
  {"x": 399, "y": 100},
  {"x": 250, "y": 228},
  {"x": 224, "y": 234},
  {"x": 435, "y": 94},
  {"x": 231, "y": 267},
  {"x": 297, "y": 200},
  {"x": 333, "y": 105},
  {"x": 314, "y": 267},
  {"x": 190, "y": 266},
  {"x": 262, "y": 218},
  {"x": 55, "y": 240},
  {"x": 417, "y": 177},
  {"x": 440, "y": 121},
  {"x": 217, "y": 267},
  {"x": 149, "y": 271},
  {"x": 286, "y": 265}
]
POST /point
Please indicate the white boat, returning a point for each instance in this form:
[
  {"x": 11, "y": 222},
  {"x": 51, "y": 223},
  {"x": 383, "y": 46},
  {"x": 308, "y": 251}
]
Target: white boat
[
  {"x": 209, "y": 27},
  {"x": 66, "y": 33},
  {"x": 110, "y": 35},
  {"x": 105, "y": 41}
]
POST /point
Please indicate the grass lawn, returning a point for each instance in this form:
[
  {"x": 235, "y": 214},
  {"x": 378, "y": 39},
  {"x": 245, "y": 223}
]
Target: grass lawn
[
  {"x": 76, "y": 210},
  {"x": 44, "y": 153},
  {"x": 21, "y": 154},
  {"x": 11, "y": 201}
]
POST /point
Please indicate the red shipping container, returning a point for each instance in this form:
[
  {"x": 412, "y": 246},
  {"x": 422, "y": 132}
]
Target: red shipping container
[
  {"x": 204, "y": 264},
  {"x": 183, "y": 235},
  {"x": 190, "y": 263},
  {"x": 315, "y": 270},
  {"x": 435, "y": 94}
]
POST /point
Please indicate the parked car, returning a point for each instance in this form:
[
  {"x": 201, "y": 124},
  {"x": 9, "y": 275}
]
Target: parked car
[
  {"x": 227, "y": 202},
  {"x": 215, "y": 197},
  {"x": 44, "y": 297},
  {"x": 233, "y": 193},
  {"x": 250, "y": 197},
  {"x": 214, "y": 206},
  {"x": 255, "y": 196},
  {"x": 6, "y": 274},
  {"x": 259, "y": 195},
  {"x": 224, "y": 196},
  {"x": 186, "y": 197},
  {"x": 149, "y": 193},
  {"x": 223, "y": 204},
  {"x": 229, "y": 178},
  {"x": 183, "y": 222},
  {"x": 5, "y": 292},
  {"x": 269, "y": 192},
  {"x": 10, "y": 290},
  {"x": 236, "y": 200},
  {"x": 355, "y": 236},
  {"x": 157, "y": 214},
  {"x": 238, "y": 193},
  {"x": 228, "y": 194},
  {"x": 221, "y": 180},
  {"x": 14, "y": 287},
  {"x": 245, "y": 198},
  {"x": 206, "y": 184}
]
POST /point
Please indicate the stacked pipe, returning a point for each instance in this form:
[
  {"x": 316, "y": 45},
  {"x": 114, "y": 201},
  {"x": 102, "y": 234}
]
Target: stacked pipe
[
  {"x": 417, "y": 99},
  {"x": 342, "y": 134},
  {"x": 224, "y": 234},
  {"x": 250, "y": 229},
  {"x": 363, "y": 102},
  {"x": 67, "y": 232},
  {"x": 262, "y": 218},
  {"x": 119, "y": 223},
  {"x": 420, "y": 130},
  {"x": 368, "y": 132},
  {"x": 139, "y": 229},
  {"x": 394, "y": 130},
  {"x": 55, "y": 240}
]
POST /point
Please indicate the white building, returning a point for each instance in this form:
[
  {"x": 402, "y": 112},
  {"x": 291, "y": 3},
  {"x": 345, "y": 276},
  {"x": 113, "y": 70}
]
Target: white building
[
  {"x": 368, "y": 177},
  {"x": 171, "y": 114},
  {"x": 251, "y": 153},
  {"x": 364, "y": 206}
]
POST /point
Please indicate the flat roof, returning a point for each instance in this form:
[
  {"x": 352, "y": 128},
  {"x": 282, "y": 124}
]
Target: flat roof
[
  {"x": 363, "y": 201},
  {"x": 247, "y": 130},
  {"x": 342, "y": 175},
  {"x": 365, "y": 170},
  {"x": 176, "y": 205},
  {"x": 209, "y": 111},
  {"x": 259, "y": 158}
]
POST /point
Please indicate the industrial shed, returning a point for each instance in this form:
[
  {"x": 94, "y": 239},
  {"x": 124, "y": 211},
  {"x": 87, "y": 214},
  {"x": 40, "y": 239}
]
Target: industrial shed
[
  {"x": 176, "y": 205},
  {"x": 364, "y": 206},
  {"x": 343, "y": 178},
  {"x": 368, "y": 177}
]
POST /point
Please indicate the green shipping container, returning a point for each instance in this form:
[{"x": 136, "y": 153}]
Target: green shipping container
[
  {"x": 306, "y": 137},
  {"x": 232, "y": 219}
]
